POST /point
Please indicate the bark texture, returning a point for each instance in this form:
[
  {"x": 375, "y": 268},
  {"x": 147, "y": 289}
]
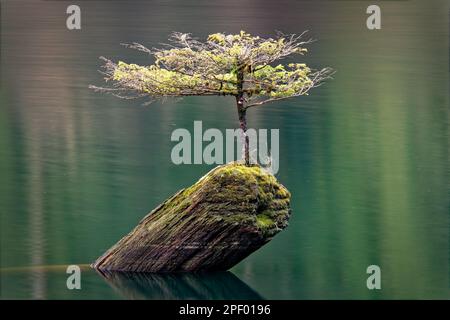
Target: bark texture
[{"x": 230, "y": 212}]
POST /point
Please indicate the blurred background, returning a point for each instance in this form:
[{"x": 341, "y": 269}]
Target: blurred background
[{"x": 365, "y": 156}]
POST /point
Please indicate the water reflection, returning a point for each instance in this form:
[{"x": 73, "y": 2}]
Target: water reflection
[{"x": 221, "y": 285}]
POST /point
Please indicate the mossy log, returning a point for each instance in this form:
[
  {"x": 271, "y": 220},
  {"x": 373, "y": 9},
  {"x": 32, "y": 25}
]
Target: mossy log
[{"x": 229, "y": 213}]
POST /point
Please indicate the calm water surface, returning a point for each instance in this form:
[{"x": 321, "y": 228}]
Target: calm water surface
[{"x": 365, "y": 156}]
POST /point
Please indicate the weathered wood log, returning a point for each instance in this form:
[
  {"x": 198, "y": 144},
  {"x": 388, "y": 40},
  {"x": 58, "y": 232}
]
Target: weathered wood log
[{"x": 229, "y": 213}]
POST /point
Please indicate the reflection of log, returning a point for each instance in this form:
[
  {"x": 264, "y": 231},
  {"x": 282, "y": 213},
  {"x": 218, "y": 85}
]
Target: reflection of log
[
  {"x": 229, "y": 213},
  {"x": 217, "y": 285}
]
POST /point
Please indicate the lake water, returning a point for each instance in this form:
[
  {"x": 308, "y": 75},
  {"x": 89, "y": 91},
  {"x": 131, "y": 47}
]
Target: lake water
[{"x": 365, "y": 156}]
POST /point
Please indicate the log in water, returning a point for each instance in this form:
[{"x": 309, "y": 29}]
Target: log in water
[{"x": 229, "y": 213}]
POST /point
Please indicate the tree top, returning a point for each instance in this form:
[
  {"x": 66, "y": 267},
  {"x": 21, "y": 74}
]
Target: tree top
[{"x": 240, "y": 65}]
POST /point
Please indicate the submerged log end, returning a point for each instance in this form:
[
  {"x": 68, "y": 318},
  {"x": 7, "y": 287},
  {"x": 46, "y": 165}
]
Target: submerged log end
[{"x": 229, "y": 213}]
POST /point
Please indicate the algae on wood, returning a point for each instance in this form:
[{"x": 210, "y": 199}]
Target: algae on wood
[{"x": 212, "y": 225}]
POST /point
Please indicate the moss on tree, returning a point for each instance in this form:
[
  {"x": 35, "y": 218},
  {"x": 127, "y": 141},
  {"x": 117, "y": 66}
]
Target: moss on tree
[{"x": 212, "y": 225}]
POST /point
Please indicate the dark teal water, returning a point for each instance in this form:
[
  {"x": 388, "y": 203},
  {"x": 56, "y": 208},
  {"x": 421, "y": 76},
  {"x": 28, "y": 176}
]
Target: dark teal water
[{"x": 365, "y": 156}]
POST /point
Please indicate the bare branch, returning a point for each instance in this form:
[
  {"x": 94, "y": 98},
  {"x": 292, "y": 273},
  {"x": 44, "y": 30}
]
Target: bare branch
[{"x": 137, "y": 46}]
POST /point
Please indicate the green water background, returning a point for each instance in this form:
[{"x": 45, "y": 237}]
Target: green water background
[{"x": 365, "y": 156}]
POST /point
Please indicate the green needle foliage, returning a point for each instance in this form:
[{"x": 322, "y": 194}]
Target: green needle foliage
[{"x": 240, "y": 65}]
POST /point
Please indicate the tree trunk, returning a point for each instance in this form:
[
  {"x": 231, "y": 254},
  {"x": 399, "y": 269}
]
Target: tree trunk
[
  {"x": 242, "y": 115},
  {"x": 242, "y": 112}
]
